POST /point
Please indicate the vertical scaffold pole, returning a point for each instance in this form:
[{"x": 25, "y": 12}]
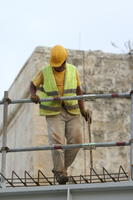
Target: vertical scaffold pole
[
  {"x": 91, "y": 154},
  {"x": 4, "y": 138},
  {"x": 131, "y": 146}
]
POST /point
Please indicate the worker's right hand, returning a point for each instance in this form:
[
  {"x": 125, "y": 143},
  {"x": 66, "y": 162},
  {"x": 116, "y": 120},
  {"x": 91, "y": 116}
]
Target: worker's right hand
[
  {"x": 35, "y": 98},
  {"x": 87, "y": 115}
]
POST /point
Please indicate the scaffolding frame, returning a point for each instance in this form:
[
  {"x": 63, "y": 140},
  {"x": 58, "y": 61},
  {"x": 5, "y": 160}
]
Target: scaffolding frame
[{"x": 4, "y": 150}]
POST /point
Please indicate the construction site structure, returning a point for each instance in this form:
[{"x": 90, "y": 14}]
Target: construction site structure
[
  {"x": 91, "y": 184},
  {"x": 78, "y": 187}
]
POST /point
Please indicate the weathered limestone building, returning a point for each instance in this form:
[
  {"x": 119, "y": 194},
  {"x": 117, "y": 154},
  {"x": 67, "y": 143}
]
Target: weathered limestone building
[{"x": 100, "y": 73}]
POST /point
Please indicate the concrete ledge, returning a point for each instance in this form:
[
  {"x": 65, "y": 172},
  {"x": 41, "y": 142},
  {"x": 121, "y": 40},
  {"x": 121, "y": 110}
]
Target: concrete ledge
[{"x": 108, "y": 191}]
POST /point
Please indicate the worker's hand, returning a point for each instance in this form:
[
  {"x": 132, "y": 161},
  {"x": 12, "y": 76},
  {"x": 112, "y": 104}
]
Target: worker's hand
[
  {"x": 35, "y": 98},
  {"x": 87, "y": 115}
]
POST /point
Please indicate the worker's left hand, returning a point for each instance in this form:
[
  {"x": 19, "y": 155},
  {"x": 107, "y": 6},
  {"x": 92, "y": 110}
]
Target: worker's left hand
[{"x": 87, "y": 115}]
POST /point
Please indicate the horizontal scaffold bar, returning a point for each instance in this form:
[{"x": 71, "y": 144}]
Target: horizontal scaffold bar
[
  {"x": 70, "y": 146},
  {"x": 79, "y": 97}
]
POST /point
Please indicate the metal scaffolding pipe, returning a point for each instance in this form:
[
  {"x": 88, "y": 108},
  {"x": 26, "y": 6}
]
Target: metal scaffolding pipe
[
  {"x": 89, "y": 146},
  {"x": 131, "y": 146},
  {"x": 79, "y": 97},
  {"x": 4, "y": 139}
]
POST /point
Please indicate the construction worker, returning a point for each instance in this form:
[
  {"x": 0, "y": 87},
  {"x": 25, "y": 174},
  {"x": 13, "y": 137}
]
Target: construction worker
[{"x": 57, "y": 79}]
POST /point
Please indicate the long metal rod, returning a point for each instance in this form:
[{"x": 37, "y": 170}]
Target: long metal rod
[
  {"x": 71, "y": 146},
  {"x": 91, "y": 154},
  {"x": 84, "y": 153},
  {"x": 79, "y": 97},
  {"x": 131, "y": 146},
  {"x": 4, "y": 138}
]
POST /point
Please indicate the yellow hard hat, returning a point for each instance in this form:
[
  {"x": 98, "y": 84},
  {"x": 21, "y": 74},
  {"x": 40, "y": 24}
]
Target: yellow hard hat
[{"x": 58, "y": 56}]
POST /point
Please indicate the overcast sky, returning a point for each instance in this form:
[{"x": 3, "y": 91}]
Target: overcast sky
[{"x": 76, "y": 24}]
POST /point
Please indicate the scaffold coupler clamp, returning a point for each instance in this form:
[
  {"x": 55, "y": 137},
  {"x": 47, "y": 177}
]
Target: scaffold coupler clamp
[
  {"x": 131, "y": 92},
  {"x": 131, "y": 141},
  {"x": 92, "y": 147},
  {"x": 4, "y": 149},
  {"x": 6, "y": 100}
]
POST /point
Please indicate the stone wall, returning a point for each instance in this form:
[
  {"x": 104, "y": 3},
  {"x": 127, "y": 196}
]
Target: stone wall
[{"x": 100, "y": 73}]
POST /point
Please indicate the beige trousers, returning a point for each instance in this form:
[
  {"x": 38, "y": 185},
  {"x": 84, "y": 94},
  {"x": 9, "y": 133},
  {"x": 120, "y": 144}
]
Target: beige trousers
[{"x": 64, "y": 129}]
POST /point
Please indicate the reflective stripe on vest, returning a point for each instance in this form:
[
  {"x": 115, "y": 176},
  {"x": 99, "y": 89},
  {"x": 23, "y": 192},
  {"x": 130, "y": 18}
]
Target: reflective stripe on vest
[
  {"x": 54, "y": 93},
  {"x": 58, "y": 108},
  {"x": 50, "y": 108}
]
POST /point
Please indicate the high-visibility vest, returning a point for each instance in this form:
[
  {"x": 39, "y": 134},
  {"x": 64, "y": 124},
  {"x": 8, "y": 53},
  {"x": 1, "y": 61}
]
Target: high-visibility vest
[{"x": 49, "y": 89}]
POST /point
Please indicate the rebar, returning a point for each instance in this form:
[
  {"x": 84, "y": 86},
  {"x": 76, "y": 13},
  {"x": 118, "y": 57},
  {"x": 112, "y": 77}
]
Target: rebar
[{"x": 42, "y": 180}]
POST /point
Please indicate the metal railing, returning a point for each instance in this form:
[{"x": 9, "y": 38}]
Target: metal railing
[{"x": 4, "y": 150}]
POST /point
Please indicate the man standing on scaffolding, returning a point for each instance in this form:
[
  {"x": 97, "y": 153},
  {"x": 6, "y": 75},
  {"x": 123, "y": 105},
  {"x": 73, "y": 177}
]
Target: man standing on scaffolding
[{"x": 63, "y": 117}]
